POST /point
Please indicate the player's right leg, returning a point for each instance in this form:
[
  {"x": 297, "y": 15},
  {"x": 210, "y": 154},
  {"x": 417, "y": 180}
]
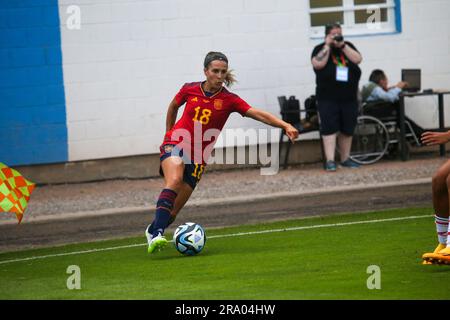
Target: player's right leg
[
  {"x": 183, "y": 196},
  {"x": 440, "y": 188},
  {"x": 191, "y": 177}
]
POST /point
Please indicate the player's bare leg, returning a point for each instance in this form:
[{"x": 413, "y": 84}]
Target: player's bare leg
[
  {"x": 441, "y": 196},
  {"x": 173, "y": 169},
  {"x": 440, "y": 187}
]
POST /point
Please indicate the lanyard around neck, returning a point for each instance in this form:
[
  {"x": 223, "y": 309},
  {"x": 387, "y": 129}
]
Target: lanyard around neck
[{"x": 342, "y": 62}]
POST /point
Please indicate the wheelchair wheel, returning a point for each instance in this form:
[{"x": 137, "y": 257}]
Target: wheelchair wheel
[{"x": 370, "y": 140}]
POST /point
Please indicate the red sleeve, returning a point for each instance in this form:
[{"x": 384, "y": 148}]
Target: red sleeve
[
  {"x": 181, "y": 96},
  {"x": 241, "y": 106}
]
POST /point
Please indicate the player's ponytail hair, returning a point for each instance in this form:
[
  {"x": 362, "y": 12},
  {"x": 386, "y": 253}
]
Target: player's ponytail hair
[{"x": 230, "y": 78}]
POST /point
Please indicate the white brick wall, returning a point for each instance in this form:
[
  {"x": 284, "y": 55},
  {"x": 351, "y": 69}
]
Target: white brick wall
[{"x": 131, "y": 56}]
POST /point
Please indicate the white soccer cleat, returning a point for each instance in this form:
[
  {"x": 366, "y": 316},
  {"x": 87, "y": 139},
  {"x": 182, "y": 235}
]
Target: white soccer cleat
[{"x": 148, "y": 235}]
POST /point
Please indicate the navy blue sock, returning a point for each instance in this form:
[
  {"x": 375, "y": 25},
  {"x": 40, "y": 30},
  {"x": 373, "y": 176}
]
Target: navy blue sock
[
  {"x": 164, "y": 206},
  {"x": 171, "y": 220},
  {"x": 150, "y": 228}
]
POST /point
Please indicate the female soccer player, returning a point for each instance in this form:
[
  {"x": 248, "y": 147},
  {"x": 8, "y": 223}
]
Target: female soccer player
[
  {"x": 441, "y": 203},
  {"x": 187, "y": 143}
]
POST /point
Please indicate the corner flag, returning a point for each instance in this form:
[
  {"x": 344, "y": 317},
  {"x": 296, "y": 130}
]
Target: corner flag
[{"x": 15, "y": 191}]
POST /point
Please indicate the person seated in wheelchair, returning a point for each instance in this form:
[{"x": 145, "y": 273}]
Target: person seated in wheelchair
[{"x": 381, "y": 101}]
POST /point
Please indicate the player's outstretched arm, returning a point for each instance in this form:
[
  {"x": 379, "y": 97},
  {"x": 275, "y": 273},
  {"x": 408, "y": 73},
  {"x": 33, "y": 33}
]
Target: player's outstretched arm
[
  {"x": 273, "y": 121},
  {"x": 431, "y": 138}
]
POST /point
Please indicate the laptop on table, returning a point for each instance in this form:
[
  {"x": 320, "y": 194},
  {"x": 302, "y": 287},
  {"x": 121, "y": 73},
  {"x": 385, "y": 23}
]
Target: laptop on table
[{"x": 413, "y": 78}]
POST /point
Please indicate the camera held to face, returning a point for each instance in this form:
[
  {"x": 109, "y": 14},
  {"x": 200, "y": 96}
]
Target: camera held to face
[{"x": 338, "y": 38}]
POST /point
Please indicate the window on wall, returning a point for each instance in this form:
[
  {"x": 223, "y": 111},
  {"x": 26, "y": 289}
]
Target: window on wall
[{"x": 357, "y": 17}]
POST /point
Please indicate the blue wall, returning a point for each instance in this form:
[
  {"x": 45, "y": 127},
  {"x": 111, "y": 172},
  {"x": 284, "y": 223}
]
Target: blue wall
[{"x": 32, "y": 103}]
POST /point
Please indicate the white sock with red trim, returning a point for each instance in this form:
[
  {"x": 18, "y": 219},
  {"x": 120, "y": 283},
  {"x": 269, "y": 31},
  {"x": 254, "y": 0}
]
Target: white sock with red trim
[
  {"x": 448, "y": 233},
  {"x": 442, "y": 229}
]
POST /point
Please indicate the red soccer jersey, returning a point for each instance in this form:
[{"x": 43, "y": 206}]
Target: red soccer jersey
[{"x": 202, "y": 120}]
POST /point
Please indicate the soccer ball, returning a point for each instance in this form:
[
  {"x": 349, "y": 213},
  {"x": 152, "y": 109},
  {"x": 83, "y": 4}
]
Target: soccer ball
[{"x": 189, "y": 238}]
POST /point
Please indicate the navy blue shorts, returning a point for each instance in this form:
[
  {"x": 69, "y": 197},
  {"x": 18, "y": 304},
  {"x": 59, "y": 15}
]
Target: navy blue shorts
[
  {"x": 337, "y": 116},
  {"x": 193, "y": 172}
]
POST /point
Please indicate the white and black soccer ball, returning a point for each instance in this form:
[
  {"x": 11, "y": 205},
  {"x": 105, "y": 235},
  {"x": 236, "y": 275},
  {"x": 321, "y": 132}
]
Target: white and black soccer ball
[{"x": 189, "y": 238}]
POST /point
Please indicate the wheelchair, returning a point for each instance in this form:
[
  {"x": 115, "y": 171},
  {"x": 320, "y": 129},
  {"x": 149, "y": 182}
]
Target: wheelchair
[{"x": 377, "y": 133}]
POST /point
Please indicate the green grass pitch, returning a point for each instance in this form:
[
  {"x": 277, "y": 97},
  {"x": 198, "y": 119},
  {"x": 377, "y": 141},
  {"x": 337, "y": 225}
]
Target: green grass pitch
[{"x": 324, "y": 258}]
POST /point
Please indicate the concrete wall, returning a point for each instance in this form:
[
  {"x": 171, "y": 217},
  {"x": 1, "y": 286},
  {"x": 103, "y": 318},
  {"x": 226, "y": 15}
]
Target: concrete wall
[
  {"x": 130, "y": 57},
  {"x": 425, "y": 44},
  {"x": 32, "y": 101}
]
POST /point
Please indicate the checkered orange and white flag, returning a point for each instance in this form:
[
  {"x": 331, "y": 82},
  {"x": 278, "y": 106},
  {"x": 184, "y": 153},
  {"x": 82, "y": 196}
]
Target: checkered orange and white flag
[{"x": 15, "y": 191}]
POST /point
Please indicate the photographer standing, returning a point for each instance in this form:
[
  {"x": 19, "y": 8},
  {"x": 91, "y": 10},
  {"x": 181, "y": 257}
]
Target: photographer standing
[{"x": 336, "y": 63}]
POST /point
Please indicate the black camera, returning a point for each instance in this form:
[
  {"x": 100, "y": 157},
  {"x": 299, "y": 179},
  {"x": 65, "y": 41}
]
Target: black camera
[{"x": 338, "y": 38}]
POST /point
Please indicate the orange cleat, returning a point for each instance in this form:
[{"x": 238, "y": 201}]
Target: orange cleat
[{"x": 440, "y": 255}]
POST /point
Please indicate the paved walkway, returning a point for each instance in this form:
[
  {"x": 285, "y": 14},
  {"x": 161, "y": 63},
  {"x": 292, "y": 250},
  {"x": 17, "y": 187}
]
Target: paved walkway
[{"x": 119, "y": 196}]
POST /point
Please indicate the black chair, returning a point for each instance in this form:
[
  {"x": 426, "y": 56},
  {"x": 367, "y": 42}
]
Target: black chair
[{"x": 291, "y": 113}]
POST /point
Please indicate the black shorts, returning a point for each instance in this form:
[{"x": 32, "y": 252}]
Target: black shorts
[
  {"x": 337, "y": 116},
  {"x": 193, "y": 172}
]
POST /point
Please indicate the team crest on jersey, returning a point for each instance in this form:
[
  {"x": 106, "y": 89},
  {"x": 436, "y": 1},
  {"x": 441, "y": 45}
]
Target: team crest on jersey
[
  {"x": 195, "y": 99},
  {"x": 218, "y": 104}
]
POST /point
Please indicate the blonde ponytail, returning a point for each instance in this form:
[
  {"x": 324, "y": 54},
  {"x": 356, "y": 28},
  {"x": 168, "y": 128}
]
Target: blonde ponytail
[{"x": 230, "y": 78}]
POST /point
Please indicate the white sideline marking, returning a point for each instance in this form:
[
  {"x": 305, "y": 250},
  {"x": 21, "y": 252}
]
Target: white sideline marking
[{"x": 332, "y": 225}]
